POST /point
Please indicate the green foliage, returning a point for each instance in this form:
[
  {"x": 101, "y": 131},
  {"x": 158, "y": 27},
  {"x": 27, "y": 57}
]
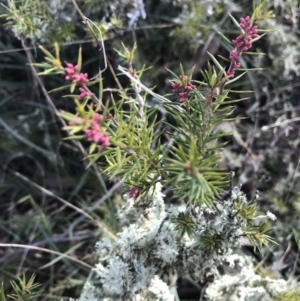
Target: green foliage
[
  {"x": 26, "y": 17},
  {"x": 39, "y": 17},
  {"x": 212, "y": 242},
  {"x": 193, "y": 28},
  {"x": 258, "y": 236},
  {"x": 288, "y": 296},
  {"x": 185, "y": 223},
  {"x": 33, "y": 19},
  {"x": 23, "y": 290},
  {"x": 189, "y": 161}
]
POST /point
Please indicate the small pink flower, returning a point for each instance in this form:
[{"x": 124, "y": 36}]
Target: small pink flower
[
  {"x": 83, "y": 93},
  {"x": 133, "y": 192},
  {"x": 71, "y": 73},
  {"x": 77, "y": 120},
  {"x": 81, "y": 78},
  {"x": 242, "y": 43},
  {"x": 95, "y": 134},
  {"x": 182, "y": 88},
  {"x": 98, "y": 118},
  {"x": 109, "y": 116},
  {"x": 104, "y": 141}
]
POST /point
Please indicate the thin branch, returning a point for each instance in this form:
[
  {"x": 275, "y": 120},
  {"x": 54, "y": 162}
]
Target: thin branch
[
  {"x": 87, "y": 21},
  {"x": 157, "y": 96},
  {"x": 97, "y": 204},
  {"x": 47, "y": 251},
  {"x": 276, "y": 124},
  {"x": 92, "y": 40},
  {"x": 82, "y": 212},
  {"x": 55, "y": 238},
  {"x": 54, "y": 109}
]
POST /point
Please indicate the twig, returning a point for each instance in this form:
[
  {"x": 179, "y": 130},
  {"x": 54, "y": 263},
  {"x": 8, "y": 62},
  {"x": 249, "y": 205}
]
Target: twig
[
  {"x": 82, "y": 212},
  {"x": 55, "y": 238},
  {"x": 292, "y": 184},
  {"x": 157, "y": 96},
  {"x": 273, "y": 125},
  {"x": 92, "y": 40},
  {"x": 55, "y": 111},
  {"x": 47, "y": 251},
  {"x": 87, "y": 21},
  {"x": 96, "y": 204}
]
